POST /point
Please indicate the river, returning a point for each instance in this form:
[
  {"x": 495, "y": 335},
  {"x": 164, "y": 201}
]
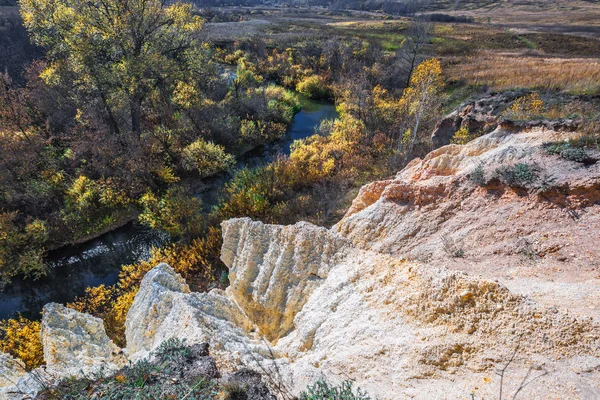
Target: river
[{"x": 74, "y": 268}]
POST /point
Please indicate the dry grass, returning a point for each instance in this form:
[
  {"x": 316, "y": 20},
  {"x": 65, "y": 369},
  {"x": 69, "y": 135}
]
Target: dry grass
[
  {"x": 527, "y": 12},
  {"x": 504, "y": 71}
]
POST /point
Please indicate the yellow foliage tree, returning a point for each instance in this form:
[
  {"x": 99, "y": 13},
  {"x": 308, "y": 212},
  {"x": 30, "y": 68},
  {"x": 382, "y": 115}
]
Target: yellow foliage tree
[
  {"x": 422, "y": 97},
  {"x": 119, "y": 52},
  {"x": 525, "y": 107},
  {"x": 20, "y": 338}
]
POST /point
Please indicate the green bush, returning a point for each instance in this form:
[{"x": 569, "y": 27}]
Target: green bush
[
  {"x": 253, "y": 193},
  {"x": 93, "y": 205},
  {"x": 206, "y": 158},
  {"x": 518, "y": 175},
  {"x": 575, "y": 154},
  {"x": 570, "y": 151},
  {"x": 322, "y": 390},
  {"x": 175, "y": 212},
  {"x": 21, "y": 247},
  {"x": 314, "y": 87},
  {"x": 477, "y": 176}
]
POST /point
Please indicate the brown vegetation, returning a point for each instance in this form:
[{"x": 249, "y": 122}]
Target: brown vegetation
[{"x": 505, "y": 70}]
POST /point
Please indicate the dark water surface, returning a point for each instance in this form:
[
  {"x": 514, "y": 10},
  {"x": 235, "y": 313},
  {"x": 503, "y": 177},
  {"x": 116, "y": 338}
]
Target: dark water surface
[
  {"x": 99, "y": 261},
  {"x": 74, "y": 268}
]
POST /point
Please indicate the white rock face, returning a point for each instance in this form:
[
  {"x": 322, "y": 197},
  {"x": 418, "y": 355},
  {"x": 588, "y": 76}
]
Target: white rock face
[
  {"x": 11, "y": 372},
  {"x": 164, "y": 308},
  {"x": 11, "y": 369},
  {"x": 75, "y": 342},
  {"x": 261, "y": 257},
  {"x": 396, "y": 328}
]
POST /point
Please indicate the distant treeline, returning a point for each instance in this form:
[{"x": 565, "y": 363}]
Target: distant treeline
[
  {"x": 401, "y": 7},
  {"x": 447, "y": 18}
]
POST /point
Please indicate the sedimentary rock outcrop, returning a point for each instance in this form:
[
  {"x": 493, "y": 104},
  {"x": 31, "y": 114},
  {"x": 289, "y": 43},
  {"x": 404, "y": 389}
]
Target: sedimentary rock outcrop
[
  {"x": 77, "y": 343},
  {"x": 74, "y": 344},
  {"x": 397, "y": 328},
  {"x": 539, "y": 241}
]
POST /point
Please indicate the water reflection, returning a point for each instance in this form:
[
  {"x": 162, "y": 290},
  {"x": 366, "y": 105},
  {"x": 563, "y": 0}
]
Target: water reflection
[{"x": 74, "y": 268}]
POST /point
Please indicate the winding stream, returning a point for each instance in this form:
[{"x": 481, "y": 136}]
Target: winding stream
[{"x": 74, "y": 268}]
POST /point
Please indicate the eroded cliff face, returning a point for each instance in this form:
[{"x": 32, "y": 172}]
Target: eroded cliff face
[
  {"x": 540, "y": 242},
  {"x": 383, "y": 298},
  {"x": 399, "y": 329}
]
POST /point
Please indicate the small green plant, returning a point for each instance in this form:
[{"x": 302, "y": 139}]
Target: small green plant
[
  {"x": 546, "y": 183},
  {"x": 224, "y": 279},
  {"x": 172, "y": 350},
  {"x": 518, "y": 175},
  {"x": 322, "y": 390},
  {"x": 477, "y": 176},
  {"x": 570, "y": 151},
  {"x": 575, "y": 154}
]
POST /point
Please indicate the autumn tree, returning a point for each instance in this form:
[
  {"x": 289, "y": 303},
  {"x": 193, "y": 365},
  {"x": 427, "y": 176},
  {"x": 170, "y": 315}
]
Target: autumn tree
[
  {"x": 119, "y": 53},
  {"x": 420, "y": 100}
]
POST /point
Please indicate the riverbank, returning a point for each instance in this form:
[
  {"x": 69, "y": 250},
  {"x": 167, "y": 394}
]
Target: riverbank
[{"x": 98, "y": 261}]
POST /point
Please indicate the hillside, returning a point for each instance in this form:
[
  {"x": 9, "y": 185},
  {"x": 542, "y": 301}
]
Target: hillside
[{"x": 432, "y": 282}]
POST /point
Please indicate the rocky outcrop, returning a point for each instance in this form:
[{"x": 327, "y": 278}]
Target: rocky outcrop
[
  {"x": 483, "y": 115},
  {"x": 395, "y": 327},
  {"x": 77, "y": 343},
  {"x": 11, "y": 371},
  {"x": 260, "y": 257},
  {"x": 538, "y": 241},
  {"x": 164, "y": 308},
  {"x": 479, "y": 116}
]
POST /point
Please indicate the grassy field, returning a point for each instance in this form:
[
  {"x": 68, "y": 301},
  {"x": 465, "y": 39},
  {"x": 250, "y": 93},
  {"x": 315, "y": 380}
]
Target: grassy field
[{"x": 505, "y": 70}]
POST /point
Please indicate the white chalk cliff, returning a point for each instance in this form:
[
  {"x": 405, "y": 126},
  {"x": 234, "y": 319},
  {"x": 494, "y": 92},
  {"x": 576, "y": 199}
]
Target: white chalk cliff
[{"x": 307, "y": 302}]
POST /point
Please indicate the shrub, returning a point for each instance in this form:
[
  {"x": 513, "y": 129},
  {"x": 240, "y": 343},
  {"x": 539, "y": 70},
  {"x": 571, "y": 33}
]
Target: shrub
[
  {"x": 175, "y": 212},
  {"x": 477, "y": 176},
  {"x": 281, "y": 102},
  {"x": 314, "y": 87},
  {"x": 525, "y": 107},
  {"x": 576, "y": 154},
  {"x": 93, "y": 205},
  {"x": 253, "y": 193},
  {"x": 322, "y": 390},
  {"x": 20, "y": 338},
  {"x": 260, "y": 132},
  {"x": 570, "y": 151},
  {"x": 461, "y": 136},
  {"x": 206, "y": 158},
  {"x": 519, "y": 175},
  {"x": 21, "y": 247}
]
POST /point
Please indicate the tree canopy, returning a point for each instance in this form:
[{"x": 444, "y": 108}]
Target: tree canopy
[{"x": 122, "y": 53}]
